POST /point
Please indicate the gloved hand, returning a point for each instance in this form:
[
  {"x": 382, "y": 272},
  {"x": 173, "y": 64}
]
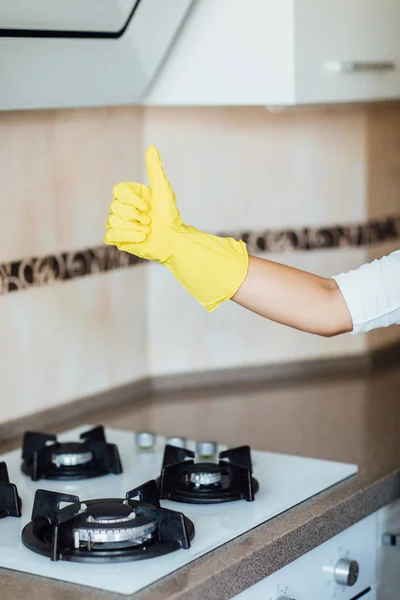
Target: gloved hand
[{"x": 146, "y": 222}]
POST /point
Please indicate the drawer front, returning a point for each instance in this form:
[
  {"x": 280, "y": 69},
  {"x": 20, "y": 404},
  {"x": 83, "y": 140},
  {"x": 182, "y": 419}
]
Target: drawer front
[
  {"x": 389, "y": 556},
  {"x": 346, "y": 50},
  {"x": 311, "y": 576}
]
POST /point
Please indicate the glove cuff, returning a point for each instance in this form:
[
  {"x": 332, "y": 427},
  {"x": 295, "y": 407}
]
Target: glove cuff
[{"x": 210, "y": 268}]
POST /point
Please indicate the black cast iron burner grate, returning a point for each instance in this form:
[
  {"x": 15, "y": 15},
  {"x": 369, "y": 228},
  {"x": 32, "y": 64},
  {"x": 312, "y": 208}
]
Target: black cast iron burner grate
[
  {"x": 10, "y": 502},
  {"x": 43, "y": 457},
  {"x": 105, "y": 530},
  {"x": 230, "y": 479}
]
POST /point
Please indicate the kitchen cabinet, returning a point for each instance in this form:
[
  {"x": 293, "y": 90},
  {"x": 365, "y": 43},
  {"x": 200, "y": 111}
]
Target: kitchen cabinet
[
  {"x": 389, "y": 552},
  {"x": 283, "y": 52}
]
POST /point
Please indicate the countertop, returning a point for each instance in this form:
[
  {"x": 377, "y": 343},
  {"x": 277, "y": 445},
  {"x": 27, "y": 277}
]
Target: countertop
[{"x": 354, "y": 420}]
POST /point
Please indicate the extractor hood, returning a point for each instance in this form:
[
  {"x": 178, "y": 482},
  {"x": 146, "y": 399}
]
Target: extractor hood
[{"x": 69, "y": 53}]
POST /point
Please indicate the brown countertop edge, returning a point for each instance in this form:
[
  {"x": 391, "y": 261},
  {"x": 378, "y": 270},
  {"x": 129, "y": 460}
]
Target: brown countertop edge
[{"x": 234, "y": 567}]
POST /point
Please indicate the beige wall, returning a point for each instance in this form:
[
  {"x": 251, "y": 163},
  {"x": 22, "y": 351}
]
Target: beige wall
[
  {"x": 232, "y": 169},
  {"x": 71, "y": 339}
]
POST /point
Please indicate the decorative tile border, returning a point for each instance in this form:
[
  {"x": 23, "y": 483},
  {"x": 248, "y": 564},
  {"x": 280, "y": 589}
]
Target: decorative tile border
[
  {"x": 36, "y": 272},
  {"x": 313, "y": 238}
]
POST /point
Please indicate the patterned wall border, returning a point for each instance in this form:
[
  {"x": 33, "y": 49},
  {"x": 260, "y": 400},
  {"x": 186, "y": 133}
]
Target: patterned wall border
[
  {"x": 312, "y": 238},
  {"x": 35, "y": 272}
]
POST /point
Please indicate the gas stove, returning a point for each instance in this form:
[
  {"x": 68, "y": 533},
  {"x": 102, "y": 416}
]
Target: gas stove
[{"x": 174, "y": 501}]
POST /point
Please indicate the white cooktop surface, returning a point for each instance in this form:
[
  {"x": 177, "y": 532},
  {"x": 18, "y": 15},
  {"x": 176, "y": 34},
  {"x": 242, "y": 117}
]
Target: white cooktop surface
[{"x": 284, "y": 482}]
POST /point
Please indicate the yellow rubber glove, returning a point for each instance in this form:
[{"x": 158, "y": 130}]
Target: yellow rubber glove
[{"x": 146, "y": 222}]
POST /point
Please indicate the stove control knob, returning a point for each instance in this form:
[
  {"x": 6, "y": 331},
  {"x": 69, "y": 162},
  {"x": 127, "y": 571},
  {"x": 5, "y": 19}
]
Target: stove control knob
[
  {"x": 206, "y": 450},
  {"x": 178, "y": 442},
  {"x": 145, "y": 440},
  {"x": 346, "y": 572}
]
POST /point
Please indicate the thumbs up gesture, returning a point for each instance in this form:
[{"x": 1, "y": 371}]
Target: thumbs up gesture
[
  {"x": 146, "y": 222},
  {"x": 142, "y": 220}
]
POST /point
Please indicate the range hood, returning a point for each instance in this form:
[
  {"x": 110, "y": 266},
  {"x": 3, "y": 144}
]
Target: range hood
[{"x": 58, "y": 53}]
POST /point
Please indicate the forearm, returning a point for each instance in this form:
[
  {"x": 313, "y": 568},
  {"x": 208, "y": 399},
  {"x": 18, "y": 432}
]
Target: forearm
[{"x": 295, "y": 298}]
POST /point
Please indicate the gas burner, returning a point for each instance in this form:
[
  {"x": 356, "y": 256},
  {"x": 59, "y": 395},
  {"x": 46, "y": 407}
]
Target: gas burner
[
  {"x": 183, "y": 480},
  {"x": 10, "y": 502},
  {"x": 204, "y": 475},
  {"x": 44, "y": 457},
  {"x": 105, "y": 530}
]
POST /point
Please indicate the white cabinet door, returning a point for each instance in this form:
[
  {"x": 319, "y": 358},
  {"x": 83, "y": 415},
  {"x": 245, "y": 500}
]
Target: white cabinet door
[
  {"x": 388, "y": 555},
  {"x": 346, "y": 50},
  {"x": 285, "y": 52},
  {"x": 229, "y": 52}
]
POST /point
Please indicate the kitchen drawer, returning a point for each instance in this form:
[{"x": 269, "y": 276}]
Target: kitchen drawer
[
  {"x": 362, "y": 37},
  {"x": 389, "y": 556}
]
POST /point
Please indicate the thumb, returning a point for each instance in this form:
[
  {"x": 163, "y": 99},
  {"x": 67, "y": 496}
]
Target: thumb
[{"x": 157, "y": 178}]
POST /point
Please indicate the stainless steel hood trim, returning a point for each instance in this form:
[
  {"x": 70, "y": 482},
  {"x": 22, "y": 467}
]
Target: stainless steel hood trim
[{"x": 66, "y": 34}]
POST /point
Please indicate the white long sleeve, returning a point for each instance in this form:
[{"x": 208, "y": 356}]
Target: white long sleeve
[{"x": 372, "y": 293}]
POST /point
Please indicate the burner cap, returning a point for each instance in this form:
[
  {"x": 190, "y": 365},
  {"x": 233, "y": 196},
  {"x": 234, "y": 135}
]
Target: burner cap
[
  {"x": 108, "y": 512},
  {"x": 111, "y": 525},
  {"x": 71, "y": 454},
  {"x": 204, "y": 474}
]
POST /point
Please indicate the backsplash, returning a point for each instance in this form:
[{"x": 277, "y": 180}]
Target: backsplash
[
  {"x": 35, "y": 272},
  {"x": 65, "y": 341},
  {"x": 326, "y": 180}
]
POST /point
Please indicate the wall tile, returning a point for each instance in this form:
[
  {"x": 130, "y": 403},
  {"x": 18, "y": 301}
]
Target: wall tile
[
  {"x": 127, "y": 337},
  {"x": 27, "y": 206},
  {"x": 70, "y": 340},
  {"x": 247, "y": 165},
  {"x": 383, "y": 147},
  {"x": 67, "y": 340},
  {"x": 53, "y": 342},
  {"x": 57, "y": 171}
]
